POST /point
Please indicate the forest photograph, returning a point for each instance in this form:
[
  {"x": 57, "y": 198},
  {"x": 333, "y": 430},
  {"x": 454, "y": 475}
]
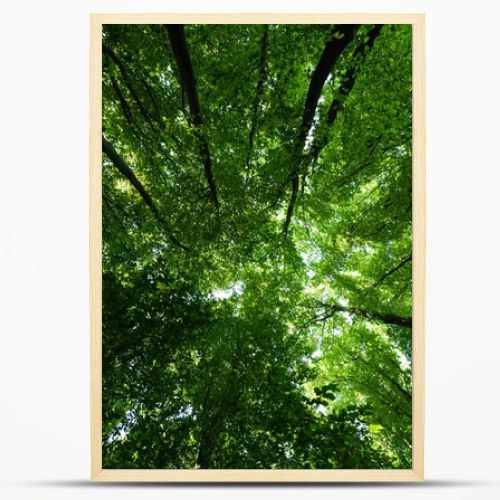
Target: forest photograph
[{"x": 257, "y": 246}]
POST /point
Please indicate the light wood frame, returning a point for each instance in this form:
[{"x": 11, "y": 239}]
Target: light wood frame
[{"x": 418, "y": 285}]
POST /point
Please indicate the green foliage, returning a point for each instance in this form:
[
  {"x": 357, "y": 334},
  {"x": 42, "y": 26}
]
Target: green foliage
[{"x": 226, "y": 342}]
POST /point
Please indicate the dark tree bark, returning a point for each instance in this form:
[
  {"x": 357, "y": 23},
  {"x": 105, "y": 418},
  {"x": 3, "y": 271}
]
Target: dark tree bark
[
  {"x": 259, "y": 90},
  {"x": 123, "y": 103},
  {"x": 393, "y": 270},
  {"x": 332, "y": 51},
  {"x": 179, "y": 46},
  {"x": 341, "y": 37},
  {"x": 387, "y": 318},
  {"x": 350, "y": 76},
  {"x": 336, "y": 106},
  {"x": 348, "y": 82},
  {"x": 128, "y": 82},
  {"x": 127, "y": 172}
]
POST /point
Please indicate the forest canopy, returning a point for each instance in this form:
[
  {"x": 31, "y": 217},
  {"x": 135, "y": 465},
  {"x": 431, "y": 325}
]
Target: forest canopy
[{"x": 257, "y": 246}]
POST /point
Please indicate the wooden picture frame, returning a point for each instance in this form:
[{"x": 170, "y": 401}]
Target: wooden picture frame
[{"x": 418, "y": 180}]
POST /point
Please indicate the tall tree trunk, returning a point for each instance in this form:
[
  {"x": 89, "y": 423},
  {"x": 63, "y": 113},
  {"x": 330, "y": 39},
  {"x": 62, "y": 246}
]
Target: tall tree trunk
[{"x": 188, "y": 81}]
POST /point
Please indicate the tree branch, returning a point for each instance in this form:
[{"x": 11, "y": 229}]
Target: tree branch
[
  {"x": 350, "y": 75},
  {"x": 259, "y": 90},
  {"x": 393, "y": 270},
  {"x": 335, "y": 107},
  {"x": 127, "y": 172},
  {"x": 346, "y": 86},
  {"x": 177, "y": 40},
  {"x": 341, "y": 37},
  {"x": 387, "y": 318},
  {"x": 332, "y": 51},
  {"x": 128, "y": 82},
  {"x": 123, "y": 103}
]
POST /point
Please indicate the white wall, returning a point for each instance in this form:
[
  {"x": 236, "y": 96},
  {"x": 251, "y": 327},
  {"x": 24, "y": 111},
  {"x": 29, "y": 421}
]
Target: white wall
[{"x": 44, "y": 426}]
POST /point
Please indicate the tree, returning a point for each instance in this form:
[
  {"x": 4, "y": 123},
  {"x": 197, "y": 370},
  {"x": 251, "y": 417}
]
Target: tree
[{"x": 257, "y": 246}]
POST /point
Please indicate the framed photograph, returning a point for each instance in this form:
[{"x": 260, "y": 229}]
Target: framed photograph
[{"x": 257, "y": 247}]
